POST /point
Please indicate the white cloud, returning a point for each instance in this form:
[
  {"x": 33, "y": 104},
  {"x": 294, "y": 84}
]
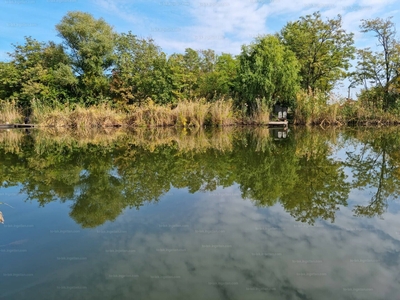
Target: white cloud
[{"x": 225, "y": 25}]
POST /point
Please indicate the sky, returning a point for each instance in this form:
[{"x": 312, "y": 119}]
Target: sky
[{"x": 221, "y": 25}]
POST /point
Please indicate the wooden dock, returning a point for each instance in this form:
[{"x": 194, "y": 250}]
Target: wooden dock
[
  {"x": 8, "y": 126},
  {"x": 278, "y": 124}
]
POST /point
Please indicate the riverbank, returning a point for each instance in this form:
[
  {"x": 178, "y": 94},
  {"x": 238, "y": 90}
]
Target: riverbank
[
  {"x": 184, "y": 114},
  {"x": 196, "y": 114}
]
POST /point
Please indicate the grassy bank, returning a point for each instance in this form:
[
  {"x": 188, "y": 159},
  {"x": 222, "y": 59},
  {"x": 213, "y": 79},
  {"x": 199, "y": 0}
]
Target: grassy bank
[
  {"x": 311, "y": 109},
  {"x": 185, "y": 114},
  {"x": 9, "y": 113}
]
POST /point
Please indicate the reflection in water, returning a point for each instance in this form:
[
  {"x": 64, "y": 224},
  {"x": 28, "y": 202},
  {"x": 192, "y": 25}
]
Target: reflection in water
[
  {"x": 1, "y": 214},
  {"x": 225, "y": 214},
  {"x": 376, "y": 165},
  {"x": 102, "y": 173}
]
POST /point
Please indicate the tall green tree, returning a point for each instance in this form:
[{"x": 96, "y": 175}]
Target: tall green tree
[
  {"x": 268, "y": 71},
  {"x": 9, "y": 81},
  {"x": 38, "y": 71},
  {"x": 89, "y": 43},
  {"x": 185, "y": 70},
  {"x": 323, "y": 48},
  {"x": 218, "y": 78},
  {"x": 380, "y": 70},
  {"x": 140, "y": 71}
]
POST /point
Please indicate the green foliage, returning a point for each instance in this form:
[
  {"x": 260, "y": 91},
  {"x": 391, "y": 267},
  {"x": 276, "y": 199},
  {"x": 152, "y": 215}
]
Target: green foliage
[
  {"x": 89, "y": 43},
  {"x": 37, "y": 71},
  {"x": 140, "y": 71},
  {"x": 323, "y": 48},
  {"x": 10, "y": 81},
  {"x": 184, "y": 74},
  {"x": 219, "y": 75},
  {"x": 379, "y": 70},
  {"x": 268, "y": 71}
]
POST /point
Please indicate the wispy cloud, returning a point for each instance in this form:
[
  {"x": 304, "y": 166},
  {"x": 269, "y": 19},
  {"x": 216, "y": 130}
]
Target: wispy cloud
[{"x": 225, "y": 25}]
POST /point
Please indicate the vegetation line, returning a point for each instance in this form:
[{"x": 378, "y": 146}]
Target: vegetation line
[{"x": 97, "y": 77}]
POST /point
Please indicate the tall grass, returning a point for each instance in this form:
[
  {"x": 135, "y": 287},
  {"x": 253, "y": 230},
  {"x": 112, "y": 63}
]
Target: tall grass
[
  {"x": 359, "y": 114},
  {"x": 77, "y": 117},
  {"x": 222, "y": 113},
  {"x": 9, "y": 113},
  {"x": 259, "y": 114},
  {"x": 194, "y": 113},
  {"x": 150, "y": 115},
  {"x": 312, "y": 108},
  {"x": 191, "y": 113}
]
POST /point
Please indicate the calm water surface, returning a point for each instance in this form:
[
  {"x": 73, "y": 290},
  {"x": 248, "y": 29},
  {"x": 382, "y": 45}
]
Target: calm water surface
[{"x": 228, "y": 214}]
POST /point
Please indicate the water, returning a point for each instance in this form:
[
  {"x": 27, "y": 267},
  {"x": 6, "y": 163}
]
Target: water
[{"x": 228, "y": 214}]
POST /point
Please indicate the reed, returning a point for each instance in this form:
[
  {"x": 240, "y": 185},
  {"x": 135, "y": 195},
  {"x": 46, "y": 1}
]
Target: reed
[
  {"x": 149, "y": 115},
  {"x": 76, "y": 116},
  {"x": 222, "y": 113},
  {"x": 10, "y": 113},
  {"x": 192, "y": 113}
]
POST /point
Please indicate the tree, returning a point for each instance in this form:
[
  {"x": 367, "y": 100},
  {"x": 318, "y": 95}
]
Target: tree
[
  {"x": 324, "y": 50},
  {"x": 184, "y": 74},
  {"x": 37, "y": 71},
  {"x": 267, "y": 71},
  {"x": 208, "y": 60},
  {"x": 140, "y": 71},
  {"x": 381, "y": 68},
  {"x": 218, "y": 78},
  {"x": 89, "y": 43},
  {"x": 9, "y": 81}
]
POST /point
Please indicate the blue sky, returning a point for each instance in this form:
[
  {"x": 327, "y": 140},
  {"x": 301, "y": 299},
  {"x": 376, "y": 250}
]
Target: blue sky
[{"x": 178, "y": 24}]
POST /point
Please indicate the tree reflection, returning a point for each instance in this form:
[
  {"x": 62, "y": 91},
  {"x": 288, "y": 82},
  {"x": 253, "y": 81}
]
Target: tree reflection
[
  {"x": 376, "y": 166},
  {"x": 103, "y": 175},
  {"x": 321, "y": 185}
]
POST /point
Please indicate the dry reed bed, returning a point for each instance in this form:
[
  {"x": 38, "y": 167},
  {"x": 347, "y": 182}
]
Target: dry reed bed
[
  {"x": 9, "y": 113},
  {"x": 311, "y": 109},
  {"x": 185, "y": 114}
]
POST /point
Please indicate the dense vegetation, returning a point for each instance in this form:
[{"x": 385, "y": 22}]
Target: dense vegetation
[{"x": 132, "y": 78}]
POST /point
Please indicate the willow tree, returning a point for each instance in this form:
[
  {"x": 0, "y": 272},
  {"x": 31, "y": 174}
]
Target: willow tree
[
  {"x": 89, "y": 43},
  {"x": 267, "y": 72},
  {"x": 323, "y": 48}
]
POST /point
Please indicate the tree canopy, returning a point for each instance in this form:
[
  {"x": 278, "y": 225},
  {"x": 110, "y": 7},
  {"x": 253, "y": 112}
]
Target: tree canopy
[
  {"x": 324, "y": 50},
  {"x": 268, "y": 71},
  {"x": 380, "y": 70}
]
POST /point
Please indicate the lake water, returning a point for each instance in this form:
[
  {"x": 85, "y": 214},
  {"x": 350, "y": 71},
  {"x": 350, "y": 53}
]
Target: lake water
[{"x": 178, "y": 214}]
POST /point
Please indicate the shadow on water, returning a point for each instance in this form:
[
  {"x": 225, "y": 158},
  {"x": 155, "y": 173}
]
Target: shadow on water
[{"x": 101, "y": 173}]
